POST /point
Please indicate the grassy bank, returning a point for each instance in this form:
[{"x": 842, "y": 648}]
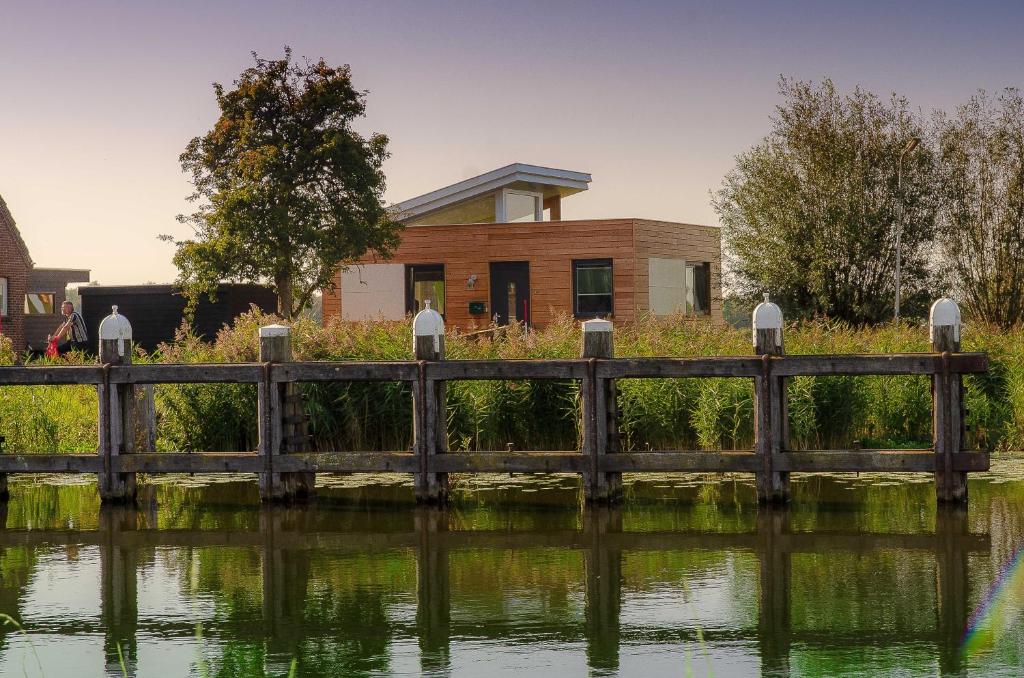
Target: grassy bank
[{"x": 656, "y": 414}]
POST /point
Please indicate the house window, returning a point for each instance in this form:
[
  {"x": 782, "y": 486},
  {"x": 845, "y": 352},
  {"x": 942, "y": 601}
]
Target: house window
[
  {"x": 3, "y": 296},
  {"x": 698, "y": 289},
  {"x": 39, "y": 303},
  {"x": 592, "y": 287},
  {"x": 424, "y": 282},
  {"x": 519, "y": 206}
]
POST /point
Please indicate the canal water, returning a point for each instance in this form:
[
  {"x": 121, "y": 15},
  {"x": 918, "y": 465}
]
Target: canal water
[{"x": 860, "y": 576}]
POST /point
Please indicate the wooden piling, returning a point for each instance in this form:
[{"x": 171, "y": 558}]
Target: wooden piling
[
  {"x": 771, "y": 416},
  {"x": 116, "y": 410},
  {"x": 598, "y": 412},
  {"x": 948, "y": 427},
  {"x": 281, "y": 422},
  {"x": 430, "y": 412}
]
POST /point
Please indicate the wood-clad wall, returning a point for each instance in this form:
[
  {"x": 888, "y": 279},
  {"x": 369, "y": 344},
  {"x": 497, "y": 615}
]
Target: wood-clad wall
[
  {"x": 550, "y": 248},
  {"x": 692, "y": 242}
]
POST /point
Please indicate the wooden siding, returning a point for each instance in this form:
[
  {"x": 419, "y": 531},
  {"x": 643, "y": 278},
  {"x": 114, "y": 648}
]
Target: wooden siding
[
  {"x": 691, "y": 242},
  {"x": 550, "y": 248}
]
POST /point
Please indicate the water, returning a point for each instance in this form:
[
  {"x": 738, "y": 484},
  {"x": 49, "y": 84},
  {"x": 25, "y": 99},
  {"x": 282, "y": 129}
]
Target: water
[{"x": 862, "y": 575}]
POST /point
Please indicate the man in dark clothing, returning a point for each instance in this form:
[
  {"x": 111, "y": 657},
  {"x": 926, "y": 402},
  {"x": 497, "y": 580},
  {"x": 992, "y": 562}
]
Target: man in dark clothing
[{"x": 72, "y": 332}]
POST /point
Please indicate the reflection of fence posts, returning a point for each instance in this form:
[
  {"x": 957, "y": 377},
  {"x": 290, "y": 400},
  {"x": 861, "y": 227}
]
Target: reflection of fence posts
[
  {"x": 285, "y": 577},
  {"x": 952, "y": 586},
  {"x": 598, "y": 410},
  {"x": 119, "y": 602},
  {"x": 775, "y": 576},
  {"x": 433, "y": 593},
  {"x": 603, "y": 594}
]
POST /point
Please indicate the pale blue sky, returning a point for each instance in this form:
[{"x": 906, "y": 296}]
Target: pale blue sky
[{"x": 98, "y": 99}]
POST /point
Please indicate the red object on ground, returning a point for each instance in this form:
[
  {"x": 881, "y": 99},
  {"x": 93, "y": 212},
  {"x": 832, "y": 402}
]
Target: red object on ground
[{"x": 51, "y": 349}]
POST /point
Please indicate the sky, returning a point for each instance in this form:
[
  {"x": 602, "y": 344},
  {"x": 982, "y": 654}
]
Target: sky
[{"x": 654, "y": 99}]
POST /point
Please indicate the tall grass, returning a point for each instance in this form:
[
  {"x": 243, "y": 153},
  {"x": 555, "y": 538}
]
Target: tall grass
[{"x": 824, "y": 412}]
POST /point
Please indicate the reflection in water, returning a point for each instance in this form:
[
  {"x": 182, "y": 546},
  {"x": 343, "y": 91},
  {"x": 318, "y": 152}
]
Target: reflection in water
[{"x": 857, "y": 577}]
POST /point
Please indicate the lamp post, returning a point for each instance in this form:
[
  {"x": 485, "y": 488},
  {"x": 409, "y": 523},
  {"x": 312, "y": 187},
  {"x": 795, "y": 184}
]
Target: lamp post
[{"x": 910, "y": 146}]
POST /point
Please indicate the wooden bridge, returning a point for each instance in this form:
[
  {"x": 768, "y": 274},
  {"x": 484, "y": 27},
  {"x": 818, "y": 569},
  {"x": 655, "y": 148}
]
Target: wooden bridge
[{"x": 286, "y": 472}]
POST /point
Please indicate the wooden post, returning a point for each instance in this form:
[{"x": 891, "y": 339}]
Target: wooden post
[
  {"x": 280, "y": 422},
  {"x": 430, "y": 412},
  {"x": 119, "y": 606},
  {"x": 771, "y": 418},
  {"x": 603, "y": 590},
  {"x": 947, "y": 404},
  {"x": 598, "y": 410},
  {"x": 433, "y": 592},
  {"x": 952, "y": 586},
  {"x": 117, "y": 410},
  {"x": 774, "y": 624}
]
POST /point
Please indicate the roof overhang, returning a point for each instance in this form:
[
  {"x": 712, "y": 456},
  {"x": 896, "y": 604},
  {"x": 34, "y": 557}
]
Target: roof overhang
[{"x": 546, "y": 180}]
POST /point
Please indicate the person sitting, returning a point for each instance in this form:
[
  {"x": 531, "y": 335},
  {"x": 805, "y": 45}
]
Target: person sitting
[{"x": 72, "y": 331}]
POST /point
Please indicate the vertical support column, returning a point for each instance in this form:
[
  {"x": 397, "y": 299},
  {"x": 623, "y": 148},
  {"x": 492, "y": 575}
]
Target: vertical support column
[
  {"x": 771, "y": 417},
  {"x": 603, "y": 594},
  {"x": 117, "y": 410},
  {"x": 598, "y": 409},
  {"x": 280, "y": 421},
  {"x": 430, "y": 412},
  {"x": 119, "y": 604},
  {"x": 285, "y": 586},
  {"x": 433, "y": 593},
  {"x": 947, "y": 404}
]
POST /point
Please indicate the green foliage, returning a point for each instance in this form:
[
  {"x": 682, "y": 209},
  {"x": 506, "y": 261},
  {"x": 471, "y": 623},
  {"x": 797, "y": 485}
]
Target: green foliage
[
  {"x": 286, "y": 188},
  {"x": 811, "y": 214},
  {"x": 981, "y": 185}
]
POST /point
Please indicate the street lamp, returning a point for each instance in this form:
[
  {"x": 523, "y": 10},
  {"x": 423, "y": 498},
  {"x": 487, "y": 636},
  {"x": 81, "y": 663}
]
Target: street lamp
[{"x": 910, "y": 146}]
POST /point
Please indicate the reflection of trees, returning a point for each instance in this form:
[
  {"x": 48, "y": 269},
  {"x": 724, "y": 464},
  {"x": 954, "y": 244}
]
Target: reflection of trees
[{"x": 334, "y": 589}]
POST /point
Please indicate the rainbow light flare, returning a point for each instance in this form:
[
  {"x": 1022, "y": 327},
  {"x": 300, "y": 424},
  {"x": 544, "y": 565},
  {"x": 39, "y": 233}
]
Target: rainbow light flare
[{"x": 1003, "y": 603}]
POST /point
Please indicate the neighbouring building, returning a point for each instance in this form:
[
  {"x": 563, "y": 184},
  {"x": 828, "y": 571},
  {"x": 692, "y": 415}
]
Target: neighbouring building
[
  {"x": 157, "y": 311},
  {"x": 493, "y": 248},
  {"x": 30, "y": 297}
]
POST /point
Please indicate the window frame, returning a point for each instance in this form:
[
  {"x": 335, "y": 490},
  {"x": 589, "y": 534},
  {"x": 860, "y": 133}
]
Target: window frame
[
  {"x": 592, "y": 263},
  {"x": 692, "y": 293},
  {"x": 410, "y": 285},
  {"x": 5, "y": 287},
  {"x": 53, "y": 303}
]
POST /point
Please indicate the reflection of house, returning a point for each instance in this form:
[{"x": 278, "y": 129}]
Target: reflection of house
[
  {"x": 481, "y": 250},
  {"x": 30, "y": 297}
]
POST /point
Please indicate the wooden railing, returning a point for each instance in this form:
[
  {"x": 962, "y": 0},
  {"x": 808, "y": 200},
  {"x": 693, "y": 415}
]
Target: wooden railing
[{"x": 286, "y": 473}]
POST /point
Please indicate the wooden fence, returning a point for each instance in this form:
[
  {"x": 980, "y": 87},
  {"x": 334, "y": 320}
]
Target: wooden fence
[{"x": 286, "y": 472}]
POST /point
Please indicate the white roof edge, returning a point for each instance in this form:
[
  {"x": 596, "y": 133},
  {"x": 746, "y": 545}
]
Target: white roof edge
[{"x": 493, "y": 180}]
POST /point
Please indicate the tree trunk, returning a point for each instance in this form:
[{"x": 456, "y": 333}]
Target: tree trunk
[{"x": 284, "y": 297}]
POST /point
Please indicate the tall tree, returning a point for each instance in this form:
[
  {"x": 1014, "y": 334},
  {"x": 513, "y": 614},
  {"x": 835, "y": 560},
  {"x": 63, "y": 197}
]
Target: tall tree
[
  {"x": 811, "y": 213},
  {"x": 286, "y": 189},
  {"x": 981, "y": 184}
]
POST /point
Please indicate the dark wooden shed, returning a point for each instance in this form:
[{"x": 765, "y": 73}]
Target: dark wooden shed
[{"x": 156, "y": 311}]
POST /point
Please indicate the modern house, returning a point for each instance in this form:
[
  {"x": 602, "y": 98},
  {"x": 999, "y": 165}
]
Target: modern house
[
  {"x": 494, "y": 248},
  {"x": 30, "y": 297}
]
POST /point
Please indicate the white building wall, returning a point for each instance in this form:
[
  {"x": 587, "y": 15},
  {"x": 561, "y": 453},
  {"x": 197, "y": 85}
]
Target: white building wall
[{"x": 373, "y": 292}]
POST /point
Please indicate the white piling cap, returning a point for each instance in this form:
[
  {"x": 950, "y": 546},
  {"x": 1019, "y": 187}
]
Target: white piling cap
[
  {"x": 767, "y": 316},
  {"x": 274, "y": 331},
  {"x": 428, "y": 323},
  {"x": 597, "y": 325},
  {"x": 944, "y": 313},
  {"x": 116, "y": 326}
]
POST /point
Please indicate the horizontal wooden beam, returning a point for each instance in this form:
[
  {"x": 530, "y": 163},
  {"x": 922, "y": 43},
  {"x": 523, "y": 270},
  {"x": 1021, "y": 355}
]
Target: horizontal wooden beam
[
  {"x": 180, "y": 462},
  {"x": 512, "y": 462},
  {"x": 345, "y": 371},
  {"x": 679, "y": 368},
  {"x": 51, "y": 463},
  {"x": 626, "y": 462},
  {"x": 197, "y": 373},
  {"x": 506, "y": 369},
  {"x": 51, "y": 374},
  {"x": 876, "y": 364},
  {"x": 875, "y": 460},
  {"x": 348, "y": 462}
]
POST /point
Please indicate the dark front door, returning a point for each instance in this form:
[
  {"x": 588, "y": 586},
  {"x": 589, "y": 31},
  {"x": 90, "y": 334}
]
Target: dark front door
[{"x": 510, "y": 292}]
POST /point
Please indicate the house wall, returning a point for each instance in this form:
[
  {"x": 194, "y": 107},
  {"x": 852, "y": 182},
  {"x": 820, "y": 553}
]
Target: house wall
[
  {"x": 14, "y": 266},
  {"x": 670, "y": 240},
  {"x": 548, "y": 246},
  {"x": 54, "y": 280}
]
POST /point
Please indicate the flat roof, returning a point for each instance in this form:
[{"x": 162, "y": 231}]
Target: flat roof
[{"x": 548, "y": 180}]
